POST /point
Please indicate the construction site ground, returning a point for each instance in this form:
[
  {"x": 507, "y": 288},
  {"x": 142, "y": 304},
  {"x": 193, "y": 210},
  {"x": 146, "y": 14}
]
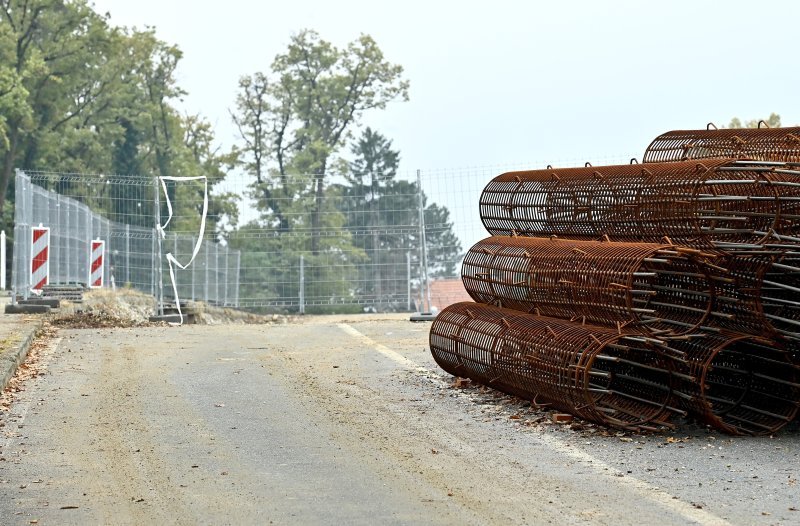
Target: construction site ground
[{"x": 339, "y": 420}]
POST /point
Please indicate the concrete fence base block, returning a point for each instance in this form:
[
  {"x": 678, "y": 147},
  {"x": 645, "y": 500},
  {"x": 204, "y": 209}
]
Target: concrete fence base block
[
  {"x": 53, "y": 303},
  {"x": 27, "y": 309}
]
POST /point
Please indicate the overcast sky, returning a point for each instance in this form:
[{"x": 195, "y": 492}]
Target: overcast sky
[{"x": 509, "y": 82}]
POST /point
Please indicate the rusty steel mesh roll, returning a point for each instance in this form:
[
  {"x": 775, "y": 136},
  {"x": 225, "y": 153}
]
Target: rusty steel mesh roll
[
  {"x": 737, "y": 383},
  {"x": 659, "y": 288},
  {"x": 758, "y": 294},
  {"x": 763, "y": 144},
  {"x": 694, "y": 202},
  {"x": 597, "y": 373}
]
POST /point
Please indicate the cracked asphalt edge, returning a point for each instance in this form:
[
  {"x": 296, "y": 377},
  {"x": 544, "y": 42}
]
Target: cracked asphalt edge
[{"x": 12, "y": 357}]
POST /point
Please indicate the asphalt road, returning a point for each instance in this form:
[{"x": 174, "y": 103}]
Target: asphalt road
[{"x": 343, "y": 421}]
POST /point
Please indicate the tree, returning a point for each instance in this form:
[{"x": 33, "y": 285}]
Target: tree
[
  {"x": 382, "y": 213},
  {"x": 53, "y": 66},
  {"x": 773, "y": 121},
  {"x": 375, "y": 162},
  {"x": 303, "y": 114},
  {"x": 374, "y": 167},
  {"x": 78, "y": 96},
  {"x": 293, "y": 121},
  {"x": 198, "y": 155}
]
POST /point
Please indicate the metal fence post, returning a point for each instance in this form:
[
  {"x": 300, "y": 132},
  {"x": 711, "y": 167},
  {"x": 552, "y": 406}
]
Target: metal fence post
[
  {"x": 152, "y": 264},
  {"x": 408, "y": 281},
  {"x": 110, "y": 259},
  {"x": 216, "y": 272},
  {"x": 127, "y": 254},
  {"x": 302, "y": 286},
  {"x": 3, "y": 260},
  {"x": 194, "y": 242},
  {"x": 68, "y": 241},
  {"x": 23, "y": 214},
  {"x": 176, "y": 272},
  {"x": 87, "y": 248},
  {"x": 227, "y": 276},
  {"x": 205, "y": 287},
  {"x": 55, "y": 244},
  {"x": 157, "y": 263},
  {"x": 238, "y": 274},
  {"x": 425, "y": 290}
]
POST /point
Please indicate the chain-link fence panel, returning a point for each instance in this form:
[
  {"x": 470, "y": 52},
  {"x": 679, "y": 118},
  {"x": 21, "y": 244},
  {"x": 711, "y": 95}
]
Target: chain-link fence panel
[{"x": 122, "y": 212}]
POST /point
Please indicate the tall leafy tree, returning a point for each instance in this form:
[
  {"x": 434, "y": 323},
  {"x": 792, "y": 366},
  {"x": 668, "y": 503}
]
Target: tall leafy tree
[
  {"x": 78, "y": 95},
  {"x": 293, "y": 122},
  {"x": 200, "y": 155},
  {"x": 55, "y": 55},
  {"x": 302, "y": 114}
]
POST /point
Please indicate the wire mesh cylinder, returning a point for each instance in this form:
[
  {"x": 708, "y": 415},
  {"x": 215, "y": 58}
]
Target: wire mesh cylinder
[
  {"x": 656, "y": 287},
  {"x": 739, "y": 384},
  {"x": 763, "y": 144},
  {"x": 689, "y": 202},
  {"x": 757, "y": 294},
  {"x": 597, "y": 373}
]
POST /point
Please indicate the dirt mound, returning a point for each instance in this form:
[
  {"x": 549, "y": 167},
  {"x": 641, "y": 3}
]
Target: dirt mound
[
  {"x": 96, "y": 320},
  {"x": 103, "y": 308}
]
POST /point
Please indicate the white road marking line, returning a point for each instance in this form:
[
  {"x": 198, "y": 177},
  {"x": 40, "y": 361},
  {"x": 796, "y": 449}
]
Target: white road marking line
[
  {"x": 646, "y": 490},
  {"x": 393, "y": 355}
]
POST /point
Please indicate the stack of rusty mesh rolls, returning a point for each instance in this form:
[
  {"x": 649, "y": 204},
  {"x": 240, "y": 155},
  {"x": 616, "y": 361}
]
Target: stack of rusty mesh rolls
[{"x": 631, "y": 295}]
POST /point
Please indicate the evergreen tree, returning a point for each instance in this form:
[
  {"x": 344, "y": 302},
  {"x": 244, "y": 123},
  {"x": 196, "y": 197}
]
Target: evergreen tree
[{"x": 382, "y": 213}]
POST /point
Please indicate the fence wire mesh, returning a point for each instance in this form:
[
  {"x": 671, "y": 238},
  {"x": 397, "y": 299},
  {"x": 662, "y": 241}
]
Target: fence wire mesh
[
  {"x": 122, "y": 211},
  {"x": 340, "y": 244},
  {"x": 299, "y": 243}
]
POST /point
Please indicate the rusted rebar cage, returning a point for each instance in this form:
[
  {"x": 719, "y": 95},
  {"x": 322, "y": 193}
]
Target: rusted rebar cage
[
  {"x": 694, "y": 202},
  {"x": 659, "y": 288},
  {"x": 763, "y": 144},
  {"x": 757, "y": 294},
  {"x": 615, "y": 378},
  {"x": 738, "y": 384}
]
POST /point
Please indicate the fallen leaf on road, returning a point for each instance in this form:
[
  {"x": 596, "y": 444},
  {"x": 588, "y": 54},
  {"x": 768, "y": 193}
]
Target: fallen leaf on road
[{"x": 461, "y": 383}]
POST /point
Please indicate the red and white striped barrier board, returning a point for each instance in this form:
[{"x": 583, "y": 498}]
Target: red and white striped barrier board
[
  {"x": 98, "y": 264},
  {"x": 40, "y": 257}
]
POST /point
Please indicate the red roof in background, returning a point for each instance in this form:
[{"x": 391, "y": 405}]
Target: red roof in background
[{"x": 445, "y": 292}]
